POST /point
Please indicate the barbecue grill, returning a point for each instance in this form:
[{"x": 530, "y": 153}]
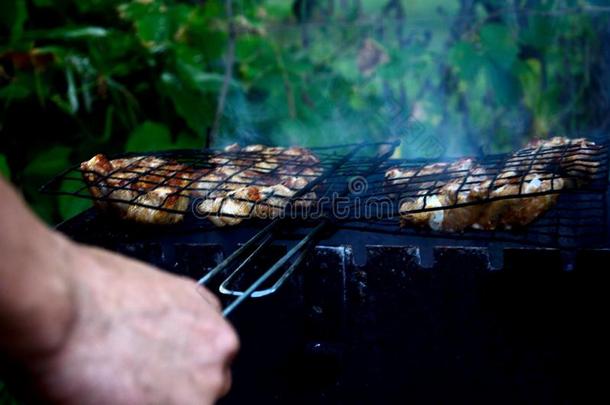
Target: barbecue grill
[{"x": 357, "y": 309}]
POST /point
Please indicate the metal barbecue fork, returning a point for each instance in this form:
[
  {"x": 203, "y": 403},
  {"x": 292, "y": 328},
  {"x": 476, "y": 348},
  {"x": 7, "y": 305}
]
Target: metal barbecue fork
[{"x": 266, "y": 236}]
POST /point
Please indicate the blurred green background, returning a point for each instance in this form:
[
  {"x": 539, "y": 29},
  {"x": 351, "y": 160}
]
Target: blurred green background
[{"x": 447, "y": 77}]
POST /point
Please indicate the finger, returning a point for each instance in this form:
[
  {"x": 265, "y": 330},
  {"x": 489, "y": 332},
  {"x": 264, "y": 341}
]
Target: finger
[
  {"x": 227, "y": 383},
  {"x": 232, "y": 344},
  {"x": 228, "y": 342},
  {"x": 209, "y": 297}
]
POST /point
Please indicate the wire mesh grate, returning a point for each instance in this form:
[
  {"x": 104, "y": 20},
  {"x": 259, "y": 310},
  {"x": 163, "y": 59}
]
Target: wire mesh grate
[
  {"x": 240, "y": 183},
  {"x": 549, "y": 193},
  {"x": 228, "y": 186}
]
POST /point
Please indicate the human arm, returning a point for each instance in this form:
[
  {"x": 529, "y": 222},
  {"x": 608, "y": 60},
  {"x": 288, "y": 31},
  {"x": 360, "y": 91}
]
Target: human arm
[{"x": 89, "y": 326}]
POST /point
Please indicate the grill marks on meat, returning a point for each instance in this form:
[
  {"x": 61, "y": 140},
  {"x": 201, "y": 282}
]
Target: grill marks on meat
[
  {"x": 257, "y": 181},
  {"x": 462, "y": 187},
  {"x": 134, "y": 188},
  {"x": 262, "y": 180},
  {"x": 574, "y": 158},
  {"x": 528, "y": 171},
  {"x": 232, "y": 208},
  {"x": 254, "y": 181},
  {"x": 506, "y": 212}
]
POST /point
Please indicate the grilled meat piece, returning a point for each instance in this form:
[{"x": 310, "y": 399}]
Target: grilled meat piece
[
  {"x": 574, "y": 158},
  {"x": 135, "y": 188},
  {"x": 251, "y": 202},
  {"x": 433, "y": 186},
  {"x": 515, "y": 212},
  {"x": 458, "y": 191},
  {"x": 261, "y": 180},
  {"x": 524, "y": 188},
  {"x": 231, "y": 208},
  {"x": 254, "y": 181},
  {"x": 528, "y": 171},
  {"x": 431, "y": 175}
]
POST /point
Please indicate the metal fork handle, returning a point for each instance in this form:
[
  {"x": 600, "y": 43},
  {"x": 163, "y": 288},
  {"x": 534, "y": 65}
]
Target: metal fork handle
[
  {"x": 266, "y": 231},
  {"x": 223, "y": 287},
  {"x": 275, "y": 268}
]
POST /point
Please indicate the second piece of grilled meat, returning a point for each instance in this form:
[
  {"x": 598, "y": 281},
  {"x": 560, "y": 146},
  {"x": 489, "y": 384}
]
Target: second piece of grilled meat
[
  {"x": 263, "y": 181},
  {"x": 525, "y": 187}
]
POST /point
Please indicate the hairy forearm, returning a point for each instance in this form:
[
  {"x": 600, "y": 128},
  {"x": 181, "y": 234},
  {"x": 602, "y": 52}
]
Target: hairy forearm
[{"x": 35, "y": 290}]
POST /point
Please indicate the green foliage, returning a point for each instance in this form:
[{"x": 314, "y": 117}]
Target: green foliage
[
  {"x": 14, "y": 14},
  {"x": 149, "y": 136},
  {"x": 498, "y": 45},
  {"x": 518, "y": 75},
  {"x": 96, "y": 80},
  {"x": 5, "y": 170},
  {"x": 69, "y": 206},
  {"x": 90, "y": 76},
  {"x": 466, "y": 60},
  {"x": 52, "y": 160}
]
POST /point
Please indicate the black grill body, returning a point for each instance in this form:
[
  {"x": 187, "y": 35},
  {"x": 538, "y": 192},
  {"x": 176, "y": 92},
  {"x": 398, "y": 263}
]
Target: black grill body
[{"x": 382, "y": 319}]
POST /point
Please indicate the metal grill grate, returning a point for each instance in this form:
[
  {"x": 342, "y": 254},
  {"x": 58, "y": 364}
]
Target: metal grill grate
[
  {"x": 578, "y": 220},
  {"x": 404, "y": 188},
  {"x": 169, "y": 181},
  {"x": 181, "y": 182}
]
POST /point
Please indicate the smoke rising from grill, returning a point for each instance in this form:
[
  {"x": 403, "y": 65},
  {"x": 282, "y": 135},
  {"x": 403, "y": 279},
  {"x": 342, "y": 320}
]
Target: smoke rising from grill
[{"x": 446, "y": 83}]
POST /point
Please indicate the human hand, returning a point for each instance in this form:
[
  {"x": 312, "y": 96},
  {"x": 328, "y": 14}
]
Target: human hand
[{"x": 138, "y": 336}]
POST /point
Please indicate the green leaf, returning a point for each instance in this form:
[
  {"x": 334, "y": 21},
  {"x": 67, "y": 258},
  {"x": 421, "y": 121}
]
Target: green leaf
[
  {"x": 13, "y": 14},
  {"x": 15, "y": 91},
  {"x": 188, "y": 141},
  {"x": 499, "y": 45},
  {"x": 204, "y": 81},
  {"x": 211, "y": 81},
  {"x": 251, "y": 47},
  {"x": 149, "y": 136},
  {"x": 133, "y": 10},
  {"x": 41, "y": 168},
  {"x": 464, "y": 57},
  {"x": 70, "y": 33},
  {"x": 540, "y": 31},
  {"x": 48, "y": 163},
  {"x": 347, "y": 67},
  {"x": 530, "y": 76},
  {"x": 505, "y": 85},
  {"x": 70, "y": 206},
  {"x": 193, "y": 106},
  {"x": 5, "y": 170},
  {"x": 154, "y": 31},
  {"x": 320, "y": 51}
]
